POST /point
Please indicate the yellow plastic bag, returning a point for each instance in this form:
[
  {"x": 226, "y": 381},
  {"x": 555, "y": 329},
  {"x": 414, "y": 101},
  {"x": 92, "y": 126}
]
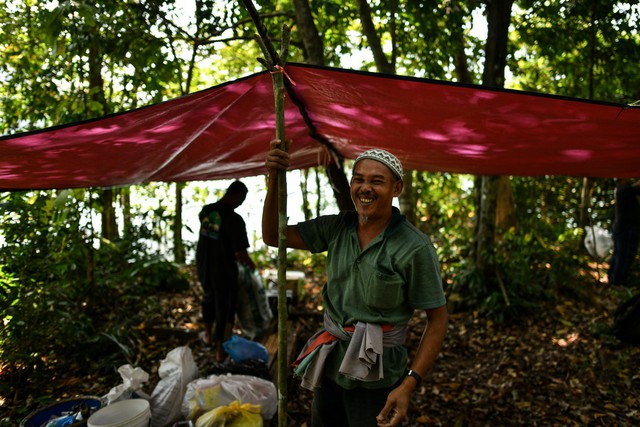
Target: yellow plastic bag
[
  {"x": 235, "y": 414},
  {"x": 204, "y": 394}
]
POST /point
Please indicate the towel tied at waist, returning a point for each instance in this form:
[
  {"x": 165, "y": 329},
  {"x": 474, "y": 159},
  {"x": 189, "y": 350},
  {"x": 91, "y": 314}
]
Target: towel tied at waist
[{"x": 363, "y": 358}]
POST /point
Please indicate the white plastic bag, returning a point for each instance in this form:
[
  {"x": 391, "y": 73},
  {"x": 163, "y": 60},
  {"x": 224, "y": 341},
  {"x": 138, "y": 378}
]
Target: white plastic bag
[
  {"x": 132, "y": 380},
  {"x": 176, "y": 371},
  {"x": 598, "y": 242},
  {"x": 205, "y": 394},
  {"x": 254, "y": 313}
]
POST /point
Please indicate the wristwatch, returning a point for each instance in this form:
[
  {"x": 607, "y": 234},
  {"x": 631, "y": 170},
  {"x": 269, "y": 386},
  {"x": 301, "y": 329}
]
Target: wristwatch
[{"x": 416, "y": 376}]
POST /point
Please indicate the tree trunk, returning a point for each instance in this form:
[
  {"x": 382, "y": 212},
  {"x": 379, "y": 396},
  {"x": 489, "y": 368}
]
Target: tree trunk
[
  {"x": 463, "y": 74},
  {"x": 319, "y": 191},
  {"x": 96, "y": 85},
  {"x": 585, "y": 197},
  {"x": 311, "y": 40},
  {"x": 314, "y": 50},
  {"x": 369, "y": 30},
  {"x": 487, "y": 229},
  {"x": 407, "y": 199},
  {"x": 340, "y": 185},
  {"x": 178, "y": 244},
  {"x": 506, "y": 217},
  {"x": 109, "y": 225},
  {"x": 125, "y": 200},
  {"x": 498, "y": 20},
  {"x": 477, "y": 201},
  {"x": 304, "y": 189}
]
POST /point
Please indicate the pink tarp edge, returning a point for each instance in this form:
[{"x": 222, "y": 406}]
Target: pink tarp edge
[{"x": 223, "y": 132}]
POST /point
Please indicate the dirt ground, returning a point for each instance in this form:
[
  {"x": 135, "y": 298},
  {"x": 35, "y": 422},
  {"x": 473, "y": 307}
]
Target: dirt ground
[{"x": 561, "y": 367}]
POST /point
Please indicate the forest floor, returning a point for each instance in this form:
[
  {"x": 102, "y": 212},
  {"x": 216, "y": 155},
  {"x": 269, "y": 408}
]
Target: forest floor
[{"x": 561, "y": 367}]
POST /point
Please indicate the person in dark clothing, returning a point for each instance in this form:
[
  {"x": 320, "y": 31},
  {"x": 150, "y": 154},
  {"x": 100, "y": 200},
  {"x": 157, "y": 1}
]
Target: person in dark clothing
[
  {"x": 626, "y": 230},
  {"x": 222, "y": 244}
]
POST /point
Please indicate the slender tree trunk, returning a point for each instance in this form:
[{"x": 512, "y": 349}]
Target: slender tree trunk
[
  {"x": 178, "y": 244},
  {"x": 314, "y": 53},
  {"x": 96, "y": 85},
  {"x": 407, "y": 199},
  {"x": 487, "y": 229},
  {"x": 179, "y": 253},
  {"x": 477, "y": 201},
  {"x": 373, "y": 39},
  {"x": 587, "y": 184},
  {"x": 319, "y": 191},
  {"x": 340, "y": 185},
  {"x": 463, "y": 74},
  {"x": 125, "y": 200},
  {"x": 109, "y": 226},
  {"x": 304, "y": 189},
  {"x": 498, "y": 19},
  {"x": 311, "y": 40},
  {"x": 585, "y": 197},
  {"x": 506, "y": 217}
]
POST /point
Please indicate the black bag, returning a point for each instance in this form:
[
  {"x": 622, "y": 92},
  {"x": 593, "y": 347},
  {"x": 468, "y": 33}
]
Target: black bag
[{"x": 626, "y": 322}]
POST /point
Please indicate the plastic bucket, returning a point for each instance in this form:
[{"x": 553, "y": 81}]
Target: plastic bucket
[
  {"x": 41, "y": 416},
  {"x": 126, "y": 413}
]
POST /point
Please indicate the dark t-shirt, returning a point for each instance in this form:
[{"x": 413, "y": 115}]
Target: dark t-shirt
[
  {"x": 627, "y": 208},
  {"x": 222, "y": 233}
]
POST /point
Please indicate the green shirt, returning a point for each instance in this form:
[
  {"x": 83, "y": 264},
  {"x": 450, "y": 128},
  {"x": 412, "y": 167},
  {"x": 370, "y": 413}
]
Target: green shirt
[{"x": 395, "y": 274}]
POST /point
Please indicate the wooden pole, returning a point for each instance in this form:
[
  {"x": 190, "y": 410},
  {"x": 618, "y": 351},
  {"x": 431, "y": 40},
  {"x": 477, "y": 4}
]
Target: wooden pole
[
  {"x": 274, "y": 63},
  {"x": 283, "y": 329}
]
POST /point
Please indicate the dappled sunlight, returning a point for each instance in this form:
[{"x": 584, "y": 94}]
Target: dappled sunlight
[
  {"x": 470, "y": 150},
  {"x": 566, "y": 340},
  {"x": 597, "y": 271},
  {"x": 578, "y": 155}
]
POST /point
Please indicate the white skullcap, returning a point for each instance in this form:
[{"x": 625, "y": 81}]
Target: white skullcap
[{"x": 384, "y": 157}]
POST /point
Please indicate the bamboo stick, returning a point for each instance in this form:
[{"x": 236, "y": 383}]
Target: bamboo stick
[{"x": 274, "y": 63}]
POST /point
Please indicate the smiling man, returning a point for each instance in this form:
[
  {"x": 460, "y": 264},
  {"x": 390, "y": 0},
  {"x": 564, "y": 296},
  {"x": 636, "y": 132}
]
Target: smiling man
[{"x": 380, "y": 269}]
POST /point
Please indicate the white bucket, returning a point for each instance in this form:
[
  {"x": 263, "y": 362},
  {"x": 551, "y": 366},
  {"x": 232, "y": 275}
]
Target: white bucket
[{"x": 126, "y": 413}]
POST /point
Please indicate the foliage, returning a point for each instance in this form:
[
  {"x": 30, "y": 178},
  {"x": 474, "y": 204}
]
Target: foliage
[
  {"x": 445, "y": 212},
  {"x": 66, "y": 299},
  {"x": 596, "y": 57},
  {"x": 542, "y": 258}
]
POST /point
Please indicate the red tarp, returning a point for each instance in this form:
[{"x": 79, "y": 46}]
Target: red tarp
[{"x": 223, "y": 132}]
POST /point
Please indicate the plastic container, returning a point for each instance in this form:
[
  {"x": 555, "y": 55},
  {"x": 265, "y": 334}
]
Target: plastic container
[
  {"x": 41, "y": 416},
  {"x": 125, "y": 413},
  {"x": 294, "y": 279},
  {"x": 243, "y": 349}
]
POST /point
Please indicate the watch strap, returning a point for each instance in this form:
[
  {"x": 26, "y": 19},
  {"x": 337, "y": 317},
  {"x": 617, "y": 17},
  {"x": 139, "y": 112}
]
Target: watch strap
[{"x": 415, "y": 375}]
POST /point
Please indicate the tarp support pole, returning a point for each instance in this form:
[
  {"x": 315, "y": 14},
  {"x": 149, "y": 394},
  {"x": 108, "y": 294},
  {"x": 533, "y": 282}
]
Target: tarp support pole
[
  {"x": 274, "y": 63},
  {"x": 283, "y": 329}
]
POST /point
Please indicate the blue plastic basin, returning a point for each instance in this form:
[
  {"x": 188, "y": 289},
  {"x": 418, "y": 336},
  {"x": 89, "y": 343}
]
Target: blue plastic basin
[{"x": 39, "y": 417}]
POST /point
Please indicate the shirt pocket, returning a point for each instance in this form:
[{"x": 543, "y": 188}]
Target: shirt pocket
[{"x": 384, "y": 290}]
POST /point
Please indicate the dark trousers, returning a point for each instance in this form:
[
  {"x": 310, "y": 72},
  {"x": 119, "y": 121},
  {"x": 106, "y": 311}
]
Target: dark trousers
[
  {"x": 334, "y": 406},
  {"x": 219, "y": 304},
  {"x": 625, "y": 247}
]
